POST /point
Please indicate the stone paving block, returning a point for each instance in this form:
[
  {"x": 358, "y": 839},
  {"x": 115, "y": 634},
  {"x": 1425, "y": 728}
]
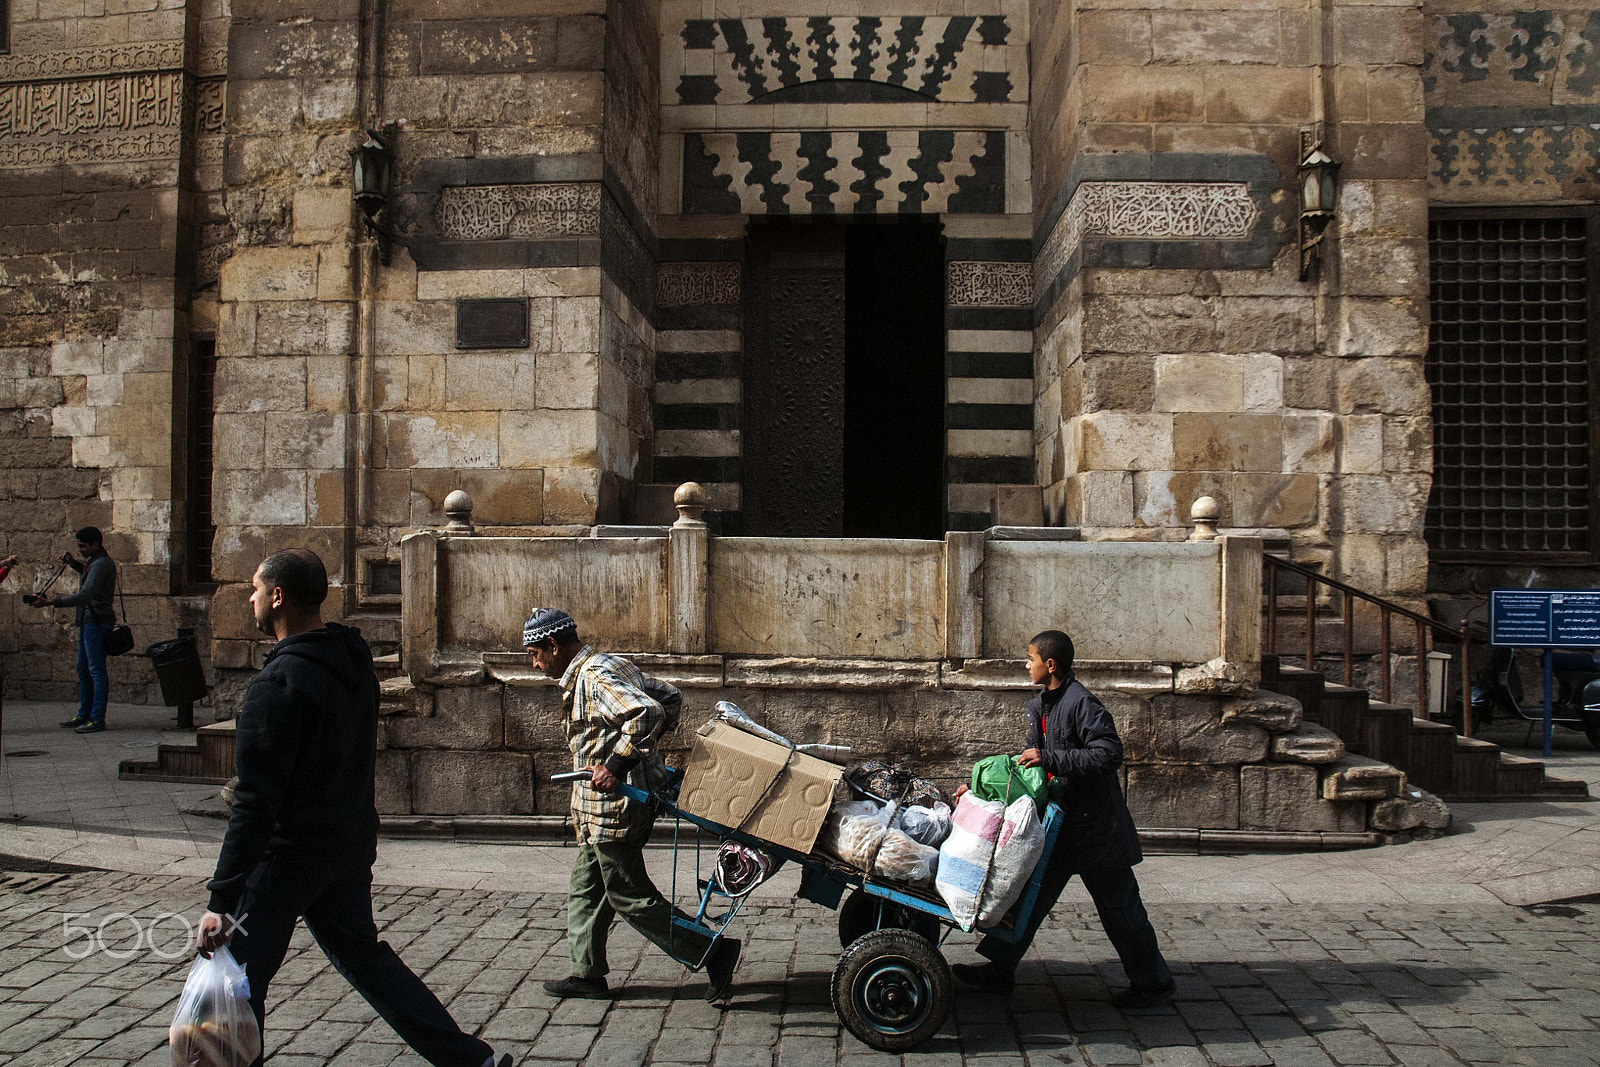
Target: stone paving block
[
  {"x": 1234, "y": 1049},
  {"x": 362, "y": 1054},
  {"x": 1353, "y": 1047},
  {"x": 612, "y": 1053},
  {"x": 807, "y": 1051},
  {"x": 1109, "y": 1047},
  {"x": 742, "y": 1056}
]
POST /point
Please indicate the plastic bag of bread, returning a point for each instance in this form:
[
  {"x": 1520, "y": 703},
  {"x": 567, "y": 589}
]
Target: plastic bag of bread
[
  {"x": 902, "y": 859},
  {"x": 214, "y": 1026},
  {"x": 854, "y": 831}
]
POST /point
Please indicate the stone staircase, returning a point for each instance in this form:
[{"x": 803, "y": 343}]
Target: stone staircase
[
  {"x": 209, "y": 760},
  {"x": 1434, "y": 758}
]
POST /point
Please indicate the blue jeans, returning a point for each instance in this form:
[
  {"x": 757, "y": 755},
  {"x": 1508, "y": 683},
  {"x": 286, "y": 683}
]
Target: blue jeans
[
  {"x": 1116, "y": 897},
  {"x": 94, "y": 684}
]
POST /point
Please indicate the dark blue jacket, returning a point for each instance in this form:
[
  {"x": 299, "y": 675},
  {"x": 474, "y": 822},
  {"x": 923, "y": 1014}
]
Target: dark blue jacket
[{"x": 1080, "y": 747}]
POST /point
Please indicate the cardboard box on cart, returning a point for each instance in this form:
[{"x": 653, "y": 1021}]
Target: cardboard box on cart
[{"x": 729, "y": 770}]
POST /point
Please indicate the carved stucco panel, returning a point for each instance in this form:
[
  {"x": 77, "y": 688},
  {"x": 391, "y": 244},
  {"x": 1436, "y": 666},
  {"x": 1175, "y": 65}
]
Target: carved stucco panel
[
  {"x": 989, "y": 284},
  {"x": 499, "y": 212},
  {"x": 698, "y": 284},
  {"x": 1150, "y": 211}
]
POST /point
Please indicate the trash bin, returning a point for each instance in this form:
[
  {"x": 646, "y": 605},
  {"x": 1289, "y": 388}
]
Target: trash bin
[{"x": 178, "y": 668}]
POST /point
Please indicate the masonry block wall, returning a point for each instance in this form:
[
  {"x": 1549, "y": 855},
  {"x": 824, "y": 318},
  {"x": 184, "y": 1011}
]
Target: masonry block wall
[
  {"x": 348, "y": 405},
  {"x": 1177, "y": 352},
  {"x": 100, "y": 112}
]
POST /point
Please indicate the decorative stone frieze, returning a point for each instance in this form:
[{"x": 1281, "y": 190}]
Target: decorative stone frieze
[
  {"x": 1140, "y": 210},
  {"x": 498, "y": 212},
  {"x": 1512, "y": 50},
  {"x": 989, "y": 285},
  {"x": 945, "y": 58},
  {"x": 859, "y": 172},
  {"x": 90, "y": 120},
  {"x": 80, "y": 63},
  {"x": 697, "y": 284},
  {"x": 1537, "y": 154}
]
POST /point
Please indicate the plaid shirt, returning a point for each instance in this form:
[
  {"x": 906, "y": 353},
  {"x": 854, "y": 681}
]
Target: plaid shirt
[{"x": 615, "y": 716}]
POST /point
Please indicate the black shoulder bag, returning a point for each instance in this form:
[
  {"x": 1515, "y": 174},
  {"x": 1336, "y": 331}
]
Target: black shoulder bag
[{"x": 120, "y": 639}]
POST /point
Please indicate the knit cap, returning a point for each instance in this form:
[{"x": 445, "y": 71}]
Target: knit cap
[{"x": 546, "y": 622}]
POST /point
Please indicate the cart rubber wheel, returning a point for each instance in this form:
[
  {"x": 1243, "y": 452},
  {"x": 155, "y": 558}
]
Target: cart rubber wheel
[
  {"x": 858, "y": 915},
  {"x": 1593, "y": 734},
  {"x": 892, "y": 989}
]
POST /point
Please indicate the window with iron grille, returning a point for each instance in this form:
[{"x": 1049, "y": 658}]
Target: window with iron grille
[
  {"x": 1509, "y": 365},
  {"x": 202, "y": 407}
]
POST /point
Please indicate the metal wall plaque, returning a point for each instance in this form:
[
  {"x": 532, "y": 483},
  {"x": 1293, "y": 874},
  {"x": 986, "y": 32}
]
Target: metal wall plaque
[{"x": 493, "y": 323}]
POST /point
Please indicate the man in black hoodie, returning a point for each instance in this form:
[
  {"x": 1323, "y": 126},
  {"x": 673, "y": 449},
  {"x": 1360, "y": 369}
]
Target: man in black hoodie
[{"x": 304, "y": 830}]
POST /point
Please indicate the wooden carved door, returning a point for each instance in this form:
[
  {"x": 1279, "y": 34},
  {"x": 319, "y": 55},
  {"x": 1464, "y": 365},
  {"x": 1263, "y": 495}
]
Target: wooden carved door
[{"x": 794, "y": 381}]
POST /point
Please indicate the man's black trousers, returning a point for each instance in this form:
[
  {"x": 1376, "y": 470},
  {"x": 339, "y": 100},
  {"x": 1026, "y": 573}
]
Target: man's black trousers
[
  {"x": 1116, "y": 897},
  {"x": 336, "y": 901}
]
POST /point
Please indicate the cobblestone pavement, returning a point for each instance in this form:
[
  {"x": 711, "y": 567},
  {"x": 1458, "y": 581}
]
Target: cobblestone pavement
[{"x": 1293, "y": 985}]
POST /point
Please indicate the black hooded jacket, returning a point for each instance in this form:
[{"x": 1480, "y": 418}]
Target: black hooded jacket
[
  {"x": 1079, "y": 746},
  {"x": 305, "y": 753}
]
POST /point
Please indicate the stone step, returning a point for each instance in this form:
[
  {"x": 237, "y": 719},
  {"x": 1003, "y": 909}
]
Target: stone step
[
  {"x": 1344, "y": 710},
  {"x": 1477, "y": 768},
  {"x": 1432, "y": 762},
  {"x": 1555, "y": 788},
  {"x": 1360, "y": 778},
  {"x": 210, "y": 759},
  {"x": 1305, "y": 686},
  {"x": 1517, "y": 775},
  {"x": 1386, "y": 734}
]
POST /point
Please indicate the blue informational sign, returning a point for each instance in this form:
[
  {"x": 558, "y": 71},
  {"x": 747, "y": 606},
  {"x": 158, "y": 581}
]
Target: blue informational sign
[
  {"x": 1544, "y": 618},
  {"x": 1547, "y": 619}
]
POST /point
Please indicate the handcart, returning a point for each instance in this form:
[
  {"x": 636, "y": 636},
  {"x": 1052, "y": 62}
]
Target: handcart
[{"x": 892, "y": 987}]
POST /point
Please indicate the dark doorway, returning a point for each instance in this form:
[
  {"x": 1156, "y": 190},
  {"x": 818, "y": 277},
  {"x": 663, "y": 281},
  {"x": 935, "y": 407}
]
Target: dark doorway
[{"x": 844, "y": 380}]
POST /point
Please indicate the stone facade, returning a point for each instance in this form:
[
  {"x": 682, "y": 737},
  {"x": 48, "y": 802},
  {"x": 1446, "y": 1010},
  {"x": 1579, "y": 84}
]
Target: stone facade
[{"x": 1124, "y": 325}]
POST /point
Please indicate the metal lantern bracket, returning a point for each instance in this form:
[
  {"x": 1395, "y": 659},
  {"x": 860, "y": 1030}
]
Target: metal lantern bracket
[
  {"x": 372, "y": 175},
  {"x": 1318, "y": 178}
]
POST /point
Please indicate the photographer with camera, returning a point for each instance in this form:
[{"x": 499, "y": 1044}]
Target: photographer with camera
[{"x": 95, "y": 618}]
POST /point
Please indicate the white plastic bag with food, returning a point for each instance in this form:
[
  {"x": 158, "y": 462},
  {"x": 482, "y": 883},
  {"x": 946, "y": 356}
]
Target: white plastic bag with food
[
  {"x": 214, "y": 1026},
  {"x": 988, "y": 857},
  {"x": 854, "y": 831},
  {"x": 901, "y": 858}
]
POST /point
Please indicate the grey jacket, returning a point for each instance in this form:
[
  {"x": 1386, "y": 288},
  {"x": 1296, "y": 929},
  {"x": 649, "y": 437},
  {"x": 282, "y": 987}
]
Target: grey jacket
[{"x": 95, "y": 591}]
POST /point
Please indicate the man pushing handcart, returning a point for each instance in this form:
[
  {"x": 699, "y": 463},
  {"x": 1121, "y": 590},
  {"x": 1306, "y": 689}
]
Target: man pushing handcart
[{"x": 889, "y": 854}]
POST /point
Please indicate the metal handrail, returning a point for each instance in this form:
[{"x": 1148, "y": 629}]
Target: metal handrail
[{"x": 1348, "y": 595}]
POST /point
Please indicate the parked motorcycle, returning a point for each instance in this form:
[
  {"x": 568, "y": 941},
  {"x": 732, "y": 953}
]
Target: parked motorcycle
[{"x": 1574, "y": 700}]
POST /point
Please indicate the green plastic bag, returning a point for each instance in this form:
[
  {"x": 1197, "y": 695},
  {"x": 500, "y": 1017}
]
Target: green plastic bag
[{"x": 990, "y": 777}]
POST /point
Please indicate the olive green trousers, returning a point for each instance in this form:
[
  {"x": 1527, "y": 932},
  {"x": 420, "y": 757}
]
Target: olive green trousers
[{"x": 609, "y": 879}]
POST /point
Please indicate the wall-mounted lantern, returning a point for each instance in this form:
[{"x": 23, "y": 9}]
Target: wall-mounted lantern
[
  {"x": 372, "y": 175},
  {"x": 1319, "y": 189}
]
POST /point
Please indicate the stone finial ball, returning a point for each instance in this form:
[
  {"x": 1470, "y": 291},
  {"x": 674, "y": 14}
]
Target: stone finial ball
[
  {"x": 1206, "y": 508},
  {"x": 690, "y": 494},
  {"x": 458, "y": 500}
]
